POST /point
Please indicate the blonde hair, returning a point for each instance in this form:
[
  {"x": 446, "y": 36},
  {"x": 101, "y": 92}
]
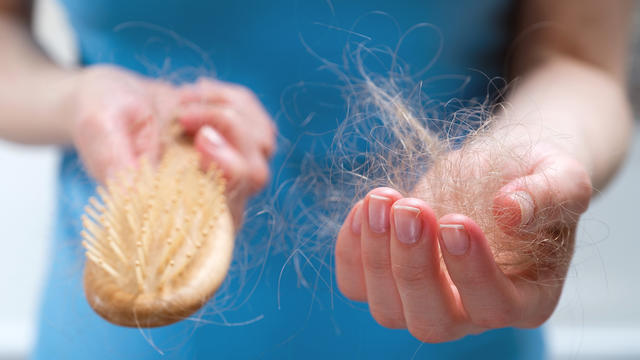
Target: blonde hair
[{"x": 395, "y": 135}]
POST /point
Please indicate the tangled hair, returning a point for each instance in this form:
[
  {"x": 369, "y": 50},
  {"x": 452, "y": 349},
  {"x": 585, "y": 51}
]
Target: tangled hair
[{"x": 447, "y": 154}]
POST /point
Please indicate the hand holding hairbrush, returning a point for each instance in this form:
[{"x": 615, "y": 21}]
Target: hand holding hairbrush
[
  {"x": 159, "y": 238},
  {"x": 159, "y": 241}
]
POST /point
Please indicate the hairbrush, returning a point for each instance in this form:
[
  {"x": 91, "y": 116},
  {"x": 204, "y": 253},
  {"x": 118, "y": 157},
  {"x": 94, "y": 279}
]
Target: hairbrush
[{"x": 159, "y": 241}]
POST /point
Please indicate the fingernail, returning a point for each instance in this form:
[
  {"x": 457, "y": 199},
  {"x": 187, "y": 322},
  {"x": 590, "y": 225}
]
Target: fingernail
[
  {"x": 379, "y": 213},
  {"x": 408, "y": 223},
  {"x": 212, "y": 137},
  {"x": 356, "y": 220},
  {"x": 525, "y": 202},
  {"x": 455, "y": 238}
]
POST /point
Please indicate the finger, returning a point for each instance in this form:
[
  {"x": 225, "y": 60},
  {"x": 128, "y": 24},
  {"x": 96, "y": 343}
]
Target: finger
[
  {"x": 227, "y": 123},
  {"x": 349, "y": 272},
  {"x": 193, "y": 116},
  {"x": 257, "y": 146},
  {"x": 211, "y": 93},
  {"x": 488, "y": 295},
  {"x": 557, "y": 192},
  {"x": 216, "y": 151},
  {"x": 430, "y": 308},
  {"x": 207, "y": 90},
  {"x": 384, "y": 302}
]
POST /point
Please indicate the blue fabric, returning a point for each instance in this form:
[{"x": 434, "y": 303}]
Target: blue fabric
[{"x": 266, "y": 308}]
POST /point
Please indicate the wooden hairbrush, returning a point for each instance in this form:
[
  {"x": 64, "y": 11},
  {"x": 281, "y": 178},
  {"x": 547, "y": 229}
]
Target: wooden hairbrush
[{"x": 159, "y": 241}]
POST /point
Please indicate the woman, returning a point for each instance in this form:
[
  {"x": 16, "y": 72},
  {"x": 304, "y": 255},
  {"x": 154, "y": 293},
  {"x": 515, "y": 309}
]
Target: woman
[{"x": 569, "y": 58}]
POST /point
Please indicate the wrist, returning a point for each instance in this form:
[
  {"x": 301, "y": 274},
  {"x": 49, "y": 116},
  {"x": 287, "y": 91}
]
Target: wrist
[
  {"x": 68, "y": 87},
  {"x": 523, "y": 135},
  {"x": 54, "y": 95}
]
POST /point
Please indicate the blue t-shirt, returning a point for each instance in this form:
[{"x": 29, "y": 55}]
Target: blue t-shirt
[{"x": 278, "y": 302}]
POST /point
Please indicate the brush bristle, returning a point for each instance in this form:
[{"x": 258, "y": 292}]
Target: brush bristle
[{"x": 158, "y": 241}]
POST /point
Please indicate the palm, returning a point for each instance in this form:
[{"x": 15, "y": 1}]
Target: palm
[{"x": 491, "y": 238}]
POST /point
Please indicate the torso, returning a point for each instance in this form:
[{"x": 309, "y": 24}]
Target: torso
[{"x": 274, "y": 48}]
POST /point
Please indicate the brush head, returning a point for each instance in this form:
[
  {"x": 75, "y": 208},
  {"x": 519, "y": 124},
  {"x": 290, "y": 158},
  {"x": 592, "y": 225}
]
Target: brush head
[{"x": 159, "y": 241}]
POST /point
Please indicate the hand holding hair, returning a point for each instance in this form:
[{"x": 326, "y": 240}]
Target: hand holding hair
[
  {"x": 479, "y": 244},
  {"x": 485, "y": 240}
]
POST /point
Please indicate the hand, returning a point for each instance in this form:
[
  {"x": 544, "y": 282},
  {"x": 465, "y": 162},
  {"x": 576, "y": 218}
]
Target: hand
[
  {"x": 232, "y": 130},
  {"x": 120, "y": 116},
  {"x": 443, "y": 278},
  {"x": 117, "y": 118}
]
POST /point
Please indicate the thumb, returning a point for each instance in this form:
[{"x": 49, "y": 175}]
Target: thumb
[
  {"x": 104, "y": 149},
  {"x": 557, "y": 191}
]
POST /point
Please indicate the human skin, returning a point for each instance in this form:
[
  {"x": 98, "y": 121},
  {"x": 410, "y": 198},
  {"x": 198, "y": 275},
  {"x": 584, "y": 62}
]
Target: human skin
[
  {"x": 113, "y": 116},
  {"x": 568, "y": 116},
  {"x": 570, "y": 87}
]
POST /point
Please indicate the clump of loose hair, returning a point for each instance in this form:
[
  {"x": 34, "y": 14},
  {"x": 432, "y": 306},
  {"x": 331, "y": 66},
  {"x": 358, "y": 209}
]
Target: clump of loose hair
[
  {"x": 447, "y": 154},
  {"x": 458, "y": 168}
]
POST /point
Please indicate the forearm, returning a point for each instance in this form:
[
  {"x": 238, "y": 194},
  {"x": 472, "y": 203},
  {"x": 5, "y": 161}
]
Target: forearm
[
  {"x": 35, "y": 94},
  {"x": 569, "y": 60},
  {"x": 575, "y": 106}
]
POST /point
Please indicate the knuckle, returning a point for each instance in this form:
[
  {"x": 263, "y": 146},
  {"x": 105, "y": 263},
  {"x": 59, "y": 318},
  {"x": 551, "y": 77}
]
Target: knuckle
[
  {"x": 245, "y": 91},
  {"x": 375, "y": 265},
  {"x": 242, "y": 92},
  {"x": 478, "y": 279},
  {"x": 260, "y": 176},
  {"x": 494, "y": 319},
  {"x": 269, "y": 150},
  {"x": 410, "y": 276},
  {"x": 222, "y": 97},
  {"x": 581, "y": 189},
  {"x": 575, "y": 170},
  {"x": 537, "y": 320},
  {"x": 207, "y": 84},
  {"x": 213, "y": 90},
  {"x": 388, "y": 319},
  {"x": 269, "y": 145},
  {"x": 226, "y": 115},
  {"x": 433, "y": 334}
]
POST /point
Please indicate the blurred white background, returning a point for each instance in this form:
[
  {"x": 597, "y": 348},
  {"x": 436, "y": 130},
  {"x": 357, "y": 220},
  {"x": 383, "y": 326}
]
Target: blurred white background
[{"x": 599, "y": 313}]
